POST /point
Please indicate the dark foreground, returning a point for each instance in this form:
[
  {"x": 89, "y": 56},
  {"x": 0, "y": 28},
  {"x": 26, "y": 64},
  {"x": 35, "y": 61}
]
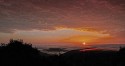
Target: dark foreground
[{"x": 17, "y": 53}]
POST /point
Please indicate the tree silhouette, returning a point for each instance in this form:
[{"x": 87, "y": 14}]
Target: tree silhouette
[{"x": 16, "y": 52}]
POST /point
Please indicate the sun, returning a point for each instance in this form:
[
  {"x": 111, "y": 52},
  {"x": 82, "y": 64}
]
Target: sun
[{"x": 84, "y": 43}]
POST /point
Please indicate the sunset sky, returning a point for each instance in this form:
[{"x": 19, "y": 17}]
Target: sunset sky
[{"x": 63, "y": 22}]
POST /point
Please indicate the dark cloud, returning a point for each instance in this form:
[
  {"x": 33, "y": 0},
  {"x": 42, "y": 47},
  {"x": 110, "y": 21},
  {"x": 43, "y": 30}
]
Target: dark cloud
[{"x": 48, "y": 14}]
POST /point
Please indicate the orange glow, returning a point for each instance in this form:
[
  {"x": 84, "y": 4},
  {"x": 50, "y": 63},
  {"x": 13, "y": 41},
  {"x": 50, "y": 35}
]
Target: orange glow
[
  {"x": 64, "y": 35},
  {"x": 84, "y": 43},
  {"x": 90, "y": 39}
]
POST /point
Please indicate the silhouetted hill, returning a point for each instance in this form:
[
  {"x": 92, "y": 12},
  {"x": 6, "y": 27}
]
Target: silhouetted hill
[
  {"x": 90, "y": 58},
  {"x": 18, "y": 53}
]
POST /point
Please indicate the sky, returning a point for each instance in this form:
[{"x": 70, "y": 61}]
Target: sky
[{"x": 63, "y": 22}]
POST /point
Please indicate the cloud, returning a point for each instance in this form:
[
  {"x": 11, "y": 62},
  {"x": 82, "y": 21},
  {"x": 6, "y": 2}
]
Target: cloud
[{"x": 103, "y": 15}]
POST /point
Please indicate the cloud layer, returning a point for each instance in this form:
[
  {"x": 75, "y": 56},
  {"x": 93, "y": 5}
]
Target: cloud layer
[{"x": 102, "y": 15}]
